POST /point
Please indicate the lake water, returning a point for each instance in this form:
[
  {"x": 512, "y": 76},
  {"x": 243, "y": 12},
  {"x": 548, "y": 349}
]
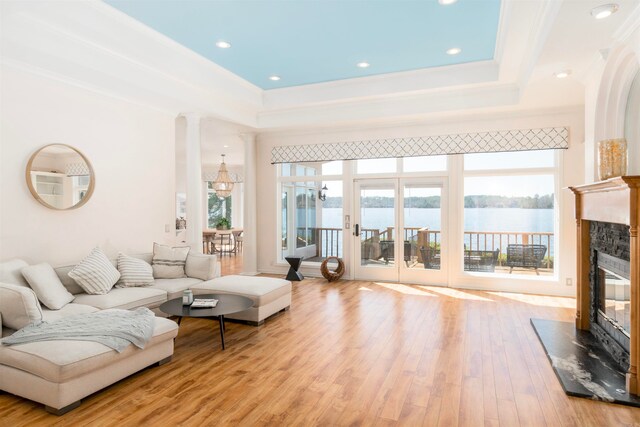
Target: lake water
[{"x": 475, "y": 219}]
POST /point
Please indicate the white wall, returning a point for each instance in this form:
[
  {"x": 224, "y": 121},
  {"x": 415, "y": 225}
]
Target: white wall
[
  {"x": 132, "y": 152},
  {"x": 572, "y": 173}
]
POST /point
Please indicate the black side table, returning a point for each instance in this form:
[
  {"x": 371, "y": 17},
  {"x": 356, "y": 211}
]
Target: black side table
[{"x": 293, "y": 274}]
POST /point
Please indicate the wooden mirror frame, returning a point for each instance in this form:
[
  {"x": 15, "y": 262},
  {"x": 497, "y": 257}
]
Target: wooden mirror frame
[{"x": 34, "y": 193}]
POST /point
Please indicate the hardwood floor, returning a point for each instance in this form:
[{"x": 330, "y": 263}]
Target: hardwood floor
[{"x": 353, "y": 353}]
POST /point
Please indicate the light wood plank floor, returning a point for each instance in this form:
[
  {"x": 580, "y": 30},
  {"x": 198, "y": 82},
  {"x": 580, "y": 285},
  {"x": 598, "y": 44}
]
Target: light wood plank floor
[{"x": 353, "y": 353}]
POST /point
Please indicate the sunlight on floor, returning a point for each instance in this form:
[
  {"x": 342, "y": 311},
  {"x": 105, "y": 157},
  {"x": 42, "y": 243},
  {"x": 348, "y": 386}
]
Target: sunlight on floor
[
  {"x": 541, "y": 300},
  {"x": 404, "y": 289},
  {"x": 455, "y": 293}
]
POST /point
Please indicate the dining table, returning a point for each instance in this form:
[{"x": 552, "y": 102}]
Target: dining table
[{"x": 210, "y": 235}]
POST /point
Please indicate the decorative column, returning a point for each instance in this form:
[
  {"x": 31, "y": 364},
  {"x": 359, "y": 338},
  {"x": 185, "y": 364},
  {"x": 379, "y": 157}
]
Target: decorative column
[
  {"x": 194, "y": 182},
  {"x": 250, "y": 214}
]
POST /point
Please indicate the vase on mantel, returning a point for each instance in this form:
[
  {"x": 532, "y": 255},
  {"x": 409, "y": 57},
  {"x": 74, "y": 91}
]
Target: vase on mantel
[{"x": 612, "y": 158}]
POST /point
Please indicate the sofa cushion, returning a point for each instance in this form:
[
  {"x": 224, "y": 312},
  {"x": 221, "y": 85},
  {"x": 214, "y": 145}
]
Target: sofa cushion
[
  {"x": 45, "y": 283},
  {"x": 168, "y": 262},
  {"x": 70, "y": 359},
  {"x": 11, "y": 272},
  {"x": 124, "y": 298},
  {"x": 95, "y": 274},
  {"x": 71, "y": 285},
  {"x": 261, "y": 290},
  {"x": 66, "y": 311},
  {"x": 201, "y": 266},
  {"x": 19, "y": 306},
  {"x": 174, "y": 287},
  {"x": 133, "y": 272}
]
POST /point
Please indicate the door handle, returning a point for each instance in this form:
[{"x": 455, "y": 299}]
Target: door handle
[{"x": 356, "y": 230}]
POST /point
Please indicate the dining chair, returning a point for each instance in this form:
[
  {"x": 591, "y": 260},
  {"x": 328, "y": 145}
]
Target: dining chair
[{"x": 237, "y": 237}]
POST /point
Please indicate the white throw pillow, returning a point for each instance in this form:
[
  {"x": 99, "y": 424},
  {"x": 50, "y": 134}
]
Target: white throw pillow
[
  {"x": 95, "y": 274},
  {"x": 48, "y": 288},
  {"x": 10, "y": 272},
  {"x": 201, "y": 266},
  {"x": 168, "y": 262},
  {"x": 133, "y": 272},
  {"x": 19, "y": 306}
]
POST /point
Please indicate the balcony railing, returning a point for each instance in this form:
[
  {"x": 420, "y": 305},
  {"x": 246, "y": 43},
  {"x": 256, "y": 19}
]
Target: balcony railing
[{"x": 328, "y": 241}]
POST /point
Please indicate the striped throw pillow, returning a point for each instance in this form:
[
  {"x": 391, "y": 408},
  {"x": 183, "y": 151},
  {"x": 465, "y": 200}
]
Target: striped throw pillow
[
  {"x": 168, "y": 262},
  {"x": 133, "y": 272},
  {"x": 95, "y": 274}
]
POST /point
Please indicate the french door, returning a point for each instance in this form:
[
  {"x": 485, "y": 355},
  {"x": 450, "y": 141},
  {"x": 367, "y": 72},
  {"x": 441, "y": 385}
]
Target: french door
[{"x": 400, "y": 230}]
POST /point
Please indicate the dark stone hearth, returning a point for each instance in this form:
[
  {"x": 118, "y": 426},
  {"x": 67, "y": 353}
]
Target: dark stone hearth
[{"x": 583, "y": 367}]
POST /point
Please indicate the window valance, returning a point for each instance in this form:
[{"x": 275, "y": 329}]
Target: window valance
[{"x": 463, "y": 143}]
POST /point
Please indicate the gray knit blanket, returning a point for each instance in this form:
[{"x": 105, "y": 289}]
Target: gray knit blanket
[{"x": 114, "y": 328}]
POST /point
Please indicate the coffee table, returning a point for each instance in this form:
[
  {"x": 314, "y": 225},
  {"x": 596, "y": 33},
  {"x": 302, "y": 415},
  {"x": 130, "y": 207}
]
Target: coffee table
[{"x": 227, "y": 304}]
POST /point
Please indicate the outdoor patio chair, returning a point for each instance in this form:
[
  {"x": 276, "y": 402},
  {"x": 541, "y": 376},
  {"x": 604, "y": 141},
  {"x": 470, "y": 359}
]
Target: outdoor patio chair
[
  {"x": 525, "y": 256},
  {"x": 430, "y": 257},
  {"x": 484, "y": 261}
]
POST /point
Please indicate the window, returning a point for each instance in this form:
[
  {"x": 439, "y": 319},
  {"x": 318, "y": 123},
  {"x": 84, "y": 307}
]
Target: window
[
  {"x": 424, "y": 164},
  {"x": 376, "y": 166},
  {"x": 509, "y": 214},
  {"x": 314, "y": 224},
  {"x": 510, "y": 160},
  {"x": 217, "y": 208}
]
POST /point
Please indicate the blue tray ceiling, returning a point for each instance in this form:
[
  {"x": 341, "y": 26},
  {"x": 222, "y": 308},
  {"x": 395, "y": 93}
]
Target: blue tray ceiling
[{"x": 305, "y": 41}]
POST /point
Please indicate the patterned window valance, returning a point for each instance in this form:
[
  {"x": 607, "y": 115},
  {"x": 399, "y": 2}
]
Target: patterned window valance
[{"x": 478, "y": 142}]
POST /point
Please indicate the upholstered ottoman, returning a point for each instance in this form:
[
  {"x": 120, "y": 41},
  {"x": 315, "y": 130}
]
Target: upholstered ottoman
[
  {"x": 269, "y": 295},
  {"x": 59, "y": 374}
]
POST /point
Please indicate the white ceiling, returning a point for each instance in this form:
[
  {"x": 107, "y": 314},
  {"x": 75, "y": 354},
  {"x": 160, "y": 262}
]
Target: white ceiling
[
  {"x": 214, "y": 136},
  {"x": 535, "y": 39}
]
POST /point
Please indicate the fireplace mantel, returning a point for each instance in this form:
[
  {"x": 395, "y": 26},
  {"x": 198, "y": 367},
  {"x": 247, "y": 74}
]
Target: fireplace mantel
[{"x": 616, "y": 200}]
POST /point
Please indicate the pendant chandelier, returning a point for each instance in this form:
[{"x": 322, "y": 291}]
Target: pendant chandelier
[{"x": 223, "y": 183}]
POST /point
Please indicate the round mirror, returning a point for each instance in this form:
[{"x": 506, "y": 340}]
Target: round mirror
[{"x": 60, "y": 177}]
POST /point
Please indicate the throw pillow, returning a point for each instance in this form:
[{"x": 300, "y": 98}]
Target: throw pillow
[
  {"x": 95, "y": 274},
  {"x": 19, "y": 306},
  {"x": 133, "y": 272},
  {"x": 48, "y": 288},
  {"x": 168, "y": 262},
  {"x": 10, "y": 272},
  {"x": 201, "y": 266}
]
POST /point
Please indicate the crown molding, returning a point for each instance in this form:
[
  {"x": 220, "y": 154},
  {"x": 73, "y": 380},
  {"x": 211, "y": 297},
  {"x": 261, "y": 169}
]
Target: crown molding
[
  {"x": 390, "y": 107},
  {"x": 391, "y": 84},
  {"x": 483, "y": 116},
  {"x": 48, "y": 74},
  {"x": 630, "y": 26}
]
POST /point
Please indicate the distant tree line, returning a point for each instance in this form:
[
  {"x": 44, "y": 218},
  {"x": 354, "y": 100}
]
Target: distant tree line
[{"x": 431, "y": 202}]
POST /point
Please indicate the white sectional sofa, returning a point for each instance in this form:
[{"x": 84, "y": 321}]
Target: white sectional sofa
[{"x": 60, "y": 375}]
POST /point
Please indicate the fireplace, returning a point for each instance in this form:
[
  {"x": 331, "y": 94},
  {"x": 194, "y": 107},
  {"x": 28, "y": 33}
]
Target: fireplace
[
  {"x": 608, "y": 281},
  {"x": 613, "y": 304},
  {"x": 610, "y": 289}
]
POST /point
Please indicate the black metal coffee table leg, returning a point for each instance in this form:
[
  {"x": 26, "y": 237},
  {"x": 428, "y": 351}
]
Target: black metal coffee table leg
[{"x": 221, "y": 319}]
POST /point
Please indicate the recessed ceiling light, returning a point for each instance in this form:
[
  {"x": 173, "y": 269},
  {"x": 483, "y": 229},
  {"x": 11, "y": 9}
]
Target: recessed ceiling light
[
  {"x": 225, "y": 146},
  {"x": 562, "y": 74},
  {"x": 363, "y": 64},
  {"x": 223, "y": 44},
  {"x": 604, "y": 11},
  {"x": 274, "y": 78},
  {"x": 454, "y": 51},
  {"x": 447, "y": 2}
]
